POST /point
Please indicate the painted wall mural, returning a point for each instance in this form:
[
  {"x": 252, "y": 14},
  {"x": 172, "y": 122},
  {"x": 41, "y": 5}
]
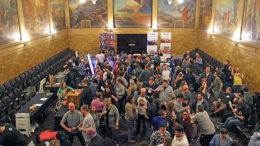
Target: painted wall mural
[
  {"x": 58, "y": 14},
  {"x": 36, "y": 16},
  {"x": 251, "y": 24},
  {"x": 88, "y": 14},
  {"x": 226, "y": 16},
  {"x": 133, "y": 13},
  {"x": 9, "y": 27},
  {"x": 178, "y": 15},
  {"x": 205, "y": 14}
]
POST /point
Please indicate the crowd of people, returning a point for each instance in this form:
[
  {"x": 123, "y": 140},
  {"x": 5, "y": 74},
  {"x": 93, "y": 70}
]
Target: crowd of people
[
  {"x": 162, "y": 100},
  {"x": 161, "y": 103}
]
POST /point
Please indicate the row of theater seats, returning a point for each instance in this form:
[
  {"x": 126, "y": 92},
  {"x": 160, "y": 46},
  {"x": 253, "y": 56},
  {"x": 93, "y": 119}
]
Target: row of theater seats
[
  {"x": 245, "y": 131},
  {"x": 13, "y": 94}
]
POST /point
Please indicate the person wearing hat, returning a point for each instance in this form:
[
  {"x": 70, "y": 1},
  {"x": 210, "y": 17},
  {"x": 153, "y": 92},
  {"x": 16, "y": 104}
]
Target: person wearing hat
[
  {"x": 221, "y": 139},
  {"x": 180, "y": 138},
  {"x": 158, "y": 136}
]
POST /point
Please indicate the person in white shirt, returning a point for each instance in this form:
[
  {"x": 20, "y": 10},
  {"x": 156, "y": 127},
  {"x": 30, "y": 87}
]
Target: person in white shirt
[
  {"x": 166, "y": 74},
  {"x": 180, "y": 138}
]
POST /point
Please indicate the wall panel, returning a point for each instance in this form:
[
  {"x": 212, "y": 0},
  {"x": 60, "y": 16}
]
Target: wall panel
[
  {"x": 17, "y": 58},
  {"x": 87, "y": 40}
]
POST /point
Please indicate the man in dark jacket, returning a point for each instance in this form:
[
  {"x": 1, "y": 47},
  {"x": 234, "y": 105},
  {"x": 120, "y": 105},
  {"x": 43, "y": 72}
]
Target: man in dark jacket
[
  {"x": 9, "y": 136},
  {"x": 151, "y": 112},
  {"x": 200, "y": 101},
  {"x": 96, "y": 139},
  {"x": 86, "y": 95}
]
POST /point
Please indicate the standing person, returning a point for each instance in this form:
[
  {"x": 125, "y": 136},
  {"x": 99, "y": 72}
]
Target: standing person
[
  {"x": 166, "y": 74},
  {"x": 98, "y": 102},
  {"x": 111, "y": 118},
  {"x": 141, "y": 109},
  {"x": 95, "y": 115},
  {"x": 96, "y": 139},
  {"x": 186, "y": 122},
  {"x": 86, "y": 94},
  {"x": 166, "y": 91},
  {"x": 87, "y": 123},
  {"x": 82, "y": 69},
  {"x": 151, "y": 112},
  {"x": 146, "y": 74},
  {"x": 180, "y": 138},
  {"x": 150, "y": 86},
  {"x": 221, "y": 139},
  {"x": 130, "y": 116},
  {"x": 74, "y": 119},
  {"x": 161, "y": 118},
  {"x": 9, "y": 136},
  {"x": 171, "y": 116},
  {"x": 120, "y": 93},
  {"x": 238, "y": 80},
  {"x": 158, "y": 136},
  {"x": 217, "y": 85},
  {"x": 199, "y": 101},
  {"x": 205, "y": 126}
]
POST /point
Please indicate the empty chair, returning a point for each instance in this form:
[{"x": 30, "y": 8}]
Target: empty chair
[{"x": 22, "y": 123}]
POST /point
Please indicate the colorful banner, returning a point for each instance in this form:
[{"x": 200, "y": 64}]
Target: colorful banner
[
  {"x": 107, "y": 43},
  {"x": 166, "y": 42},
  {"x": 152, "y": 41}
]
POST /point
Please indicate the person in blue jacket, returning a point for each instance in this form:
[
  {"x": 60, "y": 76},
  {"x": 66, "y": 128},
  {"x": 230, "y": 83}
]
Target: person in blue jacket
[{"x": 221, "y": 139}]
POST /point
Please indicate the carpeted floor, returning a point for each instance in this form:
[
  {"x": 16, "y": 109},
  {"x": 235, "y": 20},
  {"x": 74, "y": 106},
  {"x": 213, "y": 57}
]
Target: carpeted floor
[{"x": 48, "y": 124}]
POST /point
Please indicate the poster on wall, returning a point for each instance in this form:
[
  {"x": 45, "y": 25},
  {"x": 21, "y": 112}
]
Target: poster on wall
[
  {"x": 226, "y": 17},
  {"x": 133, "y": 13},
  {"x": 152, "y": 41},
  {"x": 58, "y": 14},
  {"x": 173, "y": 14},
  {"x": 9, "y": 27},
  {"x": 36, "y": 16},
  {"x": 251, "y": 22},
  {"x": 205, "y": 14},
  {"x": 88, "y": 14},
  {"x": 165, "y": 45},
  {"x": 107, "y": 43}
]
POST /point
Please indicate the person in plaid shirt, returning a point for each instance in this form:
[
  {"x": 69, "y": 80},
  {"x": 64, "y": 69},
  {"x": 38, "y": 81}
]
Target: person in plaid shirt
[{"x": 158, "y": 136}]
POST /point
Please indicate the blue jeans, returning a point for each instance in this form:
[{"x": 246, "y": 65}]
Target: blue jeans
[
  {"x": 149, "y": 130},
  {"x": 113, "y": 134},
  {"x": 231, "y": 121},
  {"x": 130, "y": 124}
]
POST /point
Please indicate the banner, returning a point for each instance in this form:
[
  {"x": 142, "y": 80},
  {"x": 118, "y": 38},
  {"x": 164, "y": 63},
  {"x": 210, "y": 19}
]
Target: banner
[
  {"x": 152, "y": 41},
  {"x": 166, "y": 42},
  {"x": 107, "y": 43}
]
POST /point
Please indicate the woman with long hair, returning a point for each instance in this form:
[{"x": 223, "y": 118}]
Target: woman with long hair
[{"x": 130, "y": 116}]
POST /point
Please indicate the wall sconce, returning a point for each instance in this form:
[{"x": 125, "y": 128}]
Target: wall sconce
[
  {"x": 155, "y": 29},
  {"x": 109, "y": 30},
  {"x": 94, "y": 2},
  {"x": 169, "y": 2}
]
